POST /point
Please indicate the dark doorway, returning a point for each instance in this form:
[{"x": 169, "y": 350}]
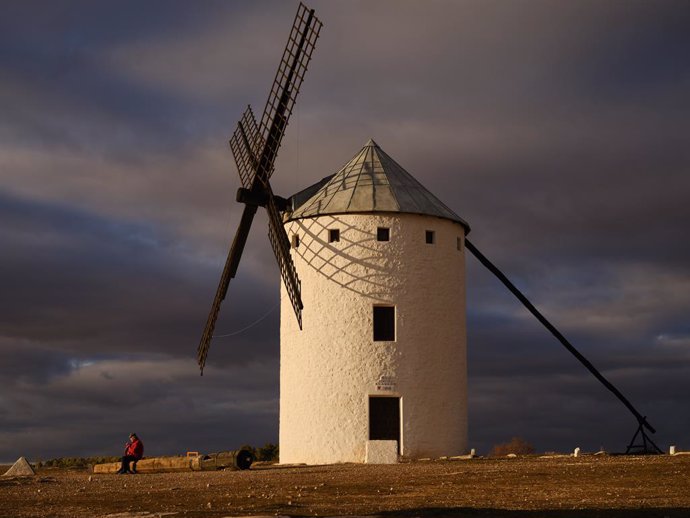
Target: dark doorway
[{"x": 384, "y": 419}]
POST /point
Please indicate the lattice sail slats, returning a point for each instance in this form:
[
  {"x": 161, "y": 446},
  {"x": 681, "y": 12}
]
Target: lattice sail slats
[
  {"x": 281, "y": 248},
  {"x": 286, "y": 85},
  {"x": 228, "y": 273},
  {"x": 246, "y": 144}
]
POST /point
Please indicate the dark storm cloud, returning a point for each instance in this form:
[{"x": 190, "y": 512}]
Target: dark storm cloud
[
  {"x": 23, "y": 362},
  {"x": 85, "y": 281},
  {"x": 170, "y": 405},
  {"x": 559, "y": 131},
  {"x": 62, "y": 88},
  {"x": 100, "y": 319}
]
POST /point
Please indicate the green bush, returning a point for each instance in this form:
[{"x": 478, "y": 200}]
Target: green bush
[{"x": 268, "y": 453}]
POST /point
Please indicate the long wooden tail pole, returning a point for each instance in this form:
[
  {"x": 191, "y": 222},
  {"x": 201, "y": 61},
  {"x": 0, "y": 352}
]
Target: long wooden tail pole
[{"x": 642, "y": 420}]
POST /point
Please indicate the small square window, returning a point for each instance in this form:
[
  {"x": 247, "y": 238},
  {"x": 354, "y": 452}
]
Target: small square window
[
  {"x": 430, "y": 237},
  {"x": 459, "y": 243},
  {"x": 383, "y": 234},
  {"x": 333, "y": 235},
  {"x": 384, "y": 323},
  {"x": 295, "y": 241}
]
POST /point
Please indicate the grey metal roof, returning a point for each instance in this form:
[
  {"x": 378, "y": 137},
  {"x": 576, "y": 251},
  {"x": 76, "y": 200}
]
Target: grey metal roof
[{"x": 371, "y": 182}]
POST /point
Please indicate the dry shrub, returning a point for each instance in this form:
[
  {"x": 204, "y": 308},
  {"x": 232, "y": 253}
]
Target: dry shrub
[{"x": 517, "y": 445}]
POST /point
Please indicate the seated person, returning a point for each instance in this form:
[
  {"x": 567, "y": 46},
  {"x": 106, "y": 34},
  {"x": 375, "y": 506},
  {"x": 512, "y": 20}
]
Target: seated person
[{"x": 134, "y": 451}]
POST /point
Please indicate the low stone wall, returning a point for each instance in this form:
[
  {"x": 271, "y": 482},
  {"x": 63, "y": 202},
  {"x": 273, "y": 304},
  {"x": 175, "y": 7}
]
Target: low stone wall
[
  {"x": 155, "y": 464},
  {"x": 240, "y": 459}
]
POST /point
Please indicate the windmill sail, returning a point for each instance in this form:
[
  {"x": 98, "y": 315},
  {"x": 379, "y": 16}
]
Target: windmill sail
[
  {"x": 254, "y": 148},
  {"x": 246, "y": 145},
  {"x": 286, "y": 85},
  {"x": 281, "y": 248}
]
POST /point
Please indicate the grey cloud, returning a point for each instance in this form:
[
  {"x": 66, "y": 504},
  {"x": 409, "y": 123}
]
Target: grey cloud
[
  {"x": 219, "y": 412},
  {"x": 118, "y": 288},
  {"x": 24, "y": 362}
]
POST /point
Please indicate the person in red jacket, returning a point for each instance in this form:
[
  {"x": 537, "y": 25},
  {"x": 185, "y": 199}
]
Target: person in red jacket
[{"x": 134, "y": 451}]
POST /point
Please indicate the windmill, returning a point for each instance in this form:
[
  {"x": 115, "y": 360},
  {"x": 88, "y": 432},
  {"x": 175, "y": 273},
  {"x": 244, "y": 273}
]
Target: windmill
[
  {"x": 255, "y": 147},
  {"x": 373, "y": 240},
  {"x": 376, "y": 373}
]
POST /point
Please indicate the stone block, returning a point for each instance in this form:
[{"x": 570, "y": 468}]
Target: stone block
[{"x": 381, "y": 452}]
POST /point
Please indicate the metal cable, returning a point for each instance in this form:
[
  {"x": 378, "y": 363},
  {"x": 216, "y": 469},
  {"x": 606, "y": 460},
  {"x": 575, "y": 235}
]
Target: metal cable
[{"x": 252, "y": 324}]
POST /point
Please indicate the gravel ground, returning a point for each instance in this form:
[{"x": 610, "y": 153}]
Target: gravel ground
[{"x": 524, "y": 487}]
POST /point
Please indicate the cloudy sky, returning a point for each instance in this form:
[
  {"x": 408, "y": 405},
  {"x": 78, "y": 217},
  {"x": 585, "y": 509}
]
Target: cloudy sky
[{"x": 559, "y": 130}]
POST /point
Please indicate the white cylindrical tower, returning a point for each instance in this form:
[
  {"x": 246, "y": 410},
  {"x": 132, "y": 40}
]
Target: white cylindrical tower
[{"x": 382, "y": 352}]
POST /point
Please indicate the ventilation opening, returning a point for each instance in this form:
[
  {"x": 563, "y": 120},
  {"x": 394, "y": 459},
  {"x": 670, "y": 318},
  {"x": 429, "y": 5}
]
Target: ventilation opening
[
  {"x": 384, "y": 419},
  {"x": 333, "y": 235},
  {"x": 430, "y": 237},
  {"x": 383, "y": 234},
  {"x": 384, "y": 323}
]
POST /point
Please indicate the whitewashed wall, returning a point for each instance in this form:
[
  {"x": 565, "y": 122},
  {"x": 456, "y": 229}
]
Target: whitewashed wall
[{"x": 329, "y": 369}]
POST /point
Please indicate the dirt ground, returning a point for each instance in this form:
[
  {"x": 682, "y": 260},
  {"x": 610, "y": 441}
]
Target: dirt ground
[{"x": 523, "y": 487}]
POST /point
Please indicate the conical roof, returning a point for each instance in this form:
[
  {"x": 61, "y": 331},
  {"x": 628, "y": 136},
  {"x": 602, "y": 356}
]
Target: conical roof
[{"x": 371, "y": 182}]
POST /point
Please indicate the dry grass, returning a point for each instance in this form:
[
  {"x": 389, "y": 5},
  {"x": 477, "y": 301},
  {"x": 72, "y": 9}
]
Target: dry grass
[{"x": 525, "y": 487}]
